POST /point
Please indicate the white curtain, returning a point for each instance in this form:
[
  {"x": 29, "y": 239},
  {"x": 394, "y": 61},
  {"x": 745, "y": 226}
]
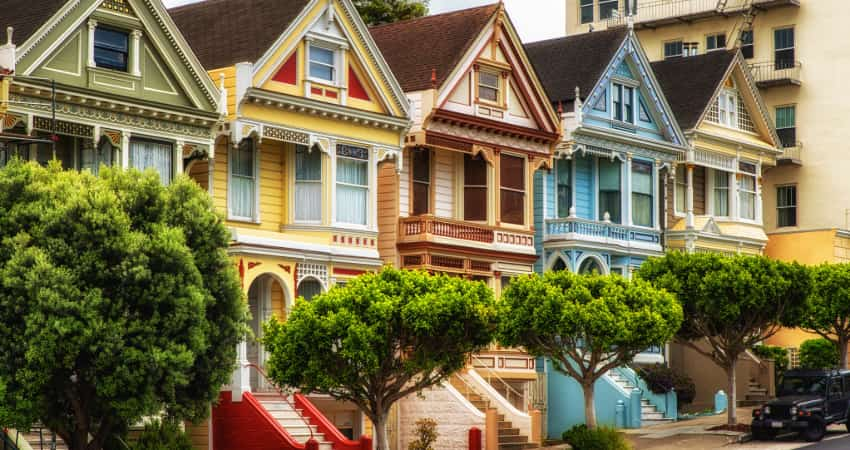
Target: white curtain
[
  {"x": 721, "y": 193},
  {"x": 352, "y": 190},
  {"x": 243, "y": 180},
  {"x": 91, "y": 157},
  {"x": 308, "y": 185},
  {"x": 642, "y": 194},
  {"x": 747, "y": 197},
  {"x": 152, "y": 155}
]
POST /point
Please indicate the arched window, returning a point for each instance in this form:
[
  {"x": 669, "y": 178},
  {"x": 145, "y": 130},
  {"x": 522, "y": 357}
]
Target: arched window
[
  {"x": 590, "y": 266},
  {"x": 559, "y": 265},
  {"x": 309, "y": 288}
]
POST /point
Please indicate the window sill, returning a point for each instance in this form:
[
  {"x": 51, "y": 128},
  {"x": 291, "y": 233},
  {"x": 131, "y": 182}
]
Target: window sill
[
  {"x": 624, "y": 126},
  {"x": 115, "y": 72},
  {"x": 248, "y": 220},
  {"x": 323, "y": 83}
]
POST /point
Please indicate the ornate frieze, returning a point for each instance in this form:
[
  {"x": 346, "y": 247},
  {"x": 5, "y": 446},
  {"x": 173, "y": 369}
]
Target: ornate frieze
[
  {"x": 479, "y": 135},
  {"x": 607, "y": 148},
  {"x": 282, "y": 134},
  {"x": 63, "y": 127}
]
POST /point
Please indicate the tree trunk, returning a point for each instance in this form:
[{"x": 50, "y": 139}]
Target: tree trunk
[
  {"x": 733, "y": 394},
  {"x": 842, "y": 350},
  {"x": 381, "y": 441},
  {"x": 589, "y": 408},
  {"x": 79, "y": 440}
]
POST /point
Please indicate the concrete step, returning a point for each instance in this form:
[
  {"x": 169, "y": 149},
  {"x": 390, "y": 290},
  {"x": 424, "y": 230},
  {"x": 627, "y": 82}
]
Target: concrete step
[
  {"x": 648, "y": 409},
  {"x": 653, "y": 422},
  {"x": 512, "y": 438},
  {"x": 652, "y": 416},
  {"x": 517, "y": 445}
]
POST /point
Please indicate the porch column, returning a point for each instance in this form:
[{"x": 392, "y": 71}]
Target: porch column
[
  {"x": 125, "y": 150},
  {"x": 177, "y": 157},
  {"x": 627, "y": 195},
  {"x": 242, "y": 374},
  {"x": 689, "y": 199},
  {"x": 734, "y": 207},
  {"x": 656, "y": 196}
]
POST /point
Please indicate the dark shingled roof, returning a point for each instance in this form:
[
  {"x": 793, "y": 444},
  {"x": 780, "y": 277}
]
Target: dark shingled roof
[
  {"x": 225, "y": 32},
  {"x": 689, "y": 83},
  {"x": 579, "y": 60},
  {"x": 413, "y": 48},
  {"x": 25, "y": 16}
]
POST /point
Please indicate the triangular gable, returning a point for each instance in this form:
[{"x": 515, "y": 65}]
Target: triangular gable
[
  {"x": 169, "y": 72},
  {"x": 630, "y": 61},
  {"x": 711, "y": 227},
  {"x": 524, "y": 86},
  {"x": 739, "y": 77},
  {"x": 337, "y": 21}
]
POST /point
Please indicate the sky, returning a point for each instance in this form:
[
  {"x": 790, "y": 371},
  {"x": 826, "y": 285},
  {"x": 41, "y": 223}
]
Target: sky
[{"x": 534, "y": 19}]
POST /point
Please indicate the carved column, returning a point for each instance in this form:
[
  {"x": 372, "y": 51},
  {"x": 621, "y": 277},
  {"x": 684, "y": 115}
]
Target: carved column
[
  {"x": 92, "y": 26},
  {"x": 135, "y": 56},
  {"x": 689, "y": 199}
]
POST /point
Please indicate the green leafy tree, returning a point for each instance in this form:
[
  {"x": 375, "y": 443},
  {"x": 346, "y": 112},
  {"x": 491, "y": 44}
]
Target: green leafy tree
[
  {"x": 118, "y": 300},
  {"x": 380, "y": 338},
  {"x": 730, "y": 304},
  {"x": 377, "y": 12},
  {"x": 586, "y": 325},
  {"x": 828, "y": 311},
  {"x": 818, "y": 354}
]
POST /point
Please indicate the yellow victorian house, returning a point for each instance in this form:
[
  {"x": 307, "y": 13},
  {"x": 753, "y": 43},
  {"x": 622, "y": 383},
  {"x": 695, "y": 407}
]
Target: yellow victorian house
[{"x": 313, "y": 112}]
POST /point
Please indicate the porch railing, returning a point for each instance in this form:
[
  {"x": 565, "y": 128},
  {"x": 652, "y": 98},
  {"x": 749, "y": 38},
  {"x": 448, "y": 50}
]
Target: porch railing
[
  {"x": 775, "y": 73},
  {"x": 599, "y": 231},
  {"x": 792, "y": 154},
  {"x": 420, "y": 227}
]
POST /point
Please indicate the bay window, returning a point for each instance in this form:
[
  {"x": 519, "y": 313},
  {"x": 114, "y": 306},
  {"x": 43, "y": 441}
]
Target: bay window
[
  {"x": 352, "y": 184},
  {"x": 747, "y": 191},
  {"x": 474, "y": 188},
  {"x": 243, "y": 180},
  {"x": 721, "y": 193},
  {"x": 308, "y": 184},
  {"x": 642, "y": 194},
  {"x": 609, "y": 189},
  {"x": 563, "y": 175},
  {"x": 512, "y": 189},
  {"x": 421, "y": 180},
  {"x": 149, "y": 154}
]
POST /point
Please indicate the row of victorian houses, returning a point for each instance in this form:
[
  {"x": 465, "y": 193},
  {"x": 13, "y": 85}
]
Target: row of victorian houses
[{"x": 441, "y": 143}]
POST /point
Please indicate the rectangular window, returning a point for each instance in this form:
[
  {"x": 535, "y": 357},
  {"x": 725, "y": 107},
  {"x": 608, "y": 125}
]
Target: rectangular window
[
  {"x": 747, "y": 44},
  {"x": 322, "y": 63},
  {"x": 786, "y": 125},
  {"x": 512, "y": 189},
  {"x": 488, "y": 86},
  {"x": 609, "y": 189},
  {"x": 352, "y": 184},
  {"x": 607, "y": 9},
  {"x": 421, "y": 180},
  {"x": 563, "y": 174},
  {"x": 474, "y": 188},
  {"x": 690, "y": 49},
  {"x": 727, "y": 107},
  {"x": 308, "y": 184},
  {"x": 681, "y": 188},
  {"x": 642, "y": 194},
  {"x": 111, "y": 49},
  {"x": 747, "y": 191},
  {"x": 243, "y": 180},
  {"x": 673, "y": 49},
  {"x": 721, "y": 193},
  {"x": 586, "y": 11},
  {"x": 783, "y": 46},
  {"x": 145, "y": 154},
  {"x": 786, "y": 206},
  {"x": 93, "y": 156},
  {"x": 715, "y": 42},
  {"x": 623, "y": 103}
]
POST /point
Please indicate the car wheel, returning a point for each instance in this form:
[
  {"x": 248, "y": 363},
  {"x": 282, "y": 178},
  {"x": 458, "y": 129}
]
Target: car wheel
[
  {"x": 763, "y": 435},
  {"x": 814, "y": 432}
]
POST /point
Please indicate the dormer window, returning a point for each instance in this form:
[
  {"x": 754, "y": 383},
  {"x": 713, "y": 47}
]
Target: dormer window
[
  {"x": 111, "y": 49},
  {"x": 488, "y": 86},
  {"x": 322, "y": 64},
  {"x": 623, "y": 103}
]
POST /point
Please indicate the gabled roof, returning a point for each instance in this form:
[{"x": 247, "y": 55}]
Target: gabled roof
[
  {"x": 414, "y": 48},
  {"x": 26, "y": 16},
  {"x": 690, "y": 83},
  {"x": 225, "y": 32},
  {"x": 579, "y": 60}
]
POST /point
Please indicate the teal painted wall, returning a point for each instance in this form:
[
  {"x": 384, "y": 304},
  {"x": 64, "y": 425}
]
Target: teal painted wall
[{"x": 584, "y": 186}]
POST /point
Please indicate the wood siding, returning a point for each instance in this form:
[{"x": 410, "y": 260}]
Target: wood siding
[
  {"x": 388, "y": 211},
  {"x": 200, "y": 171},
  {"x": 403, "y": 187},
  {"x": 444, "y": 183},
  {"x": 699, "y": 191}
]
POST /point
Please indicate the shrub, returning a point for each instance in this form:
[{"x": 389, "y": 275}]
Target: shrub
[
  {"x": 166, "y": 435},
  {"x": 426, "y": 432},
  {"x": 661, "y": 379},
  {"x": 818, "y": 354},
  {"x": 779, "y": 355},
  {"x": 603, "y": 438}
]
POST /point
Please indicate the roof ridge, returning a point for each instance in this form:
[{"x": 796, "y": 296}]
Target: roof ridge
[
  {"x": 432, "y": 16},
  {"x": 574, "y": 36}
]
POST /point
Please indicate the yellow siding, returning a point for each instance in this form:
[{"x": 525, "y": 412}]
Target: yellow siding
[
  {"x": 278, "y": 302},
  {"x": 199, "y": 172}
]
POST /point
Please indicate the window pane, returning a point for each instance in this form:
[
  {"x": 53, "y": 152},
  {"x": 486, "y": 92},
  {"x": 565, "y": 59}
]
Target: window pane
[
  {"x": 488, "y": 94},
  {"x": 308, "y": 164},
  {"x": 309, "y": 288},
  {"x": 618, "y": 102},
  {"x": 607, "y": 8},
  {"x": 641, "y": 177},
  {"x": 642, "y": 209},
  {"x": 586, "y": 11},
  {"x": 475, "y": 203},
  {"x": 152, "y": 155},
  {"x": 609, "y": 175},
  {"x": 628, "y": 101},
  {"x": 321, "y": 71},
  {"x": 110, "y": 49},
  {"x": 243, "y": 159},
  {"x": 563, "y": 171},
  {"x": 672, "y": 49},
  {"x": 609, "y": 201},
  {"x": 488, "y": 79},
  {"x": 512, "y": 172},
  {"x": 422, "y": 165},
  {"x": 786, "y": 117},
  {"x": 351, "y": 204},
  {"x": 421, "y": 191},
  {"x": 308, "y": 201},
  {"x": 512, "y": 207},
  {"x": 352, "y": 171},
  {"x": 322, "y": 55},
  {"x": 721, "y": 193},
  {"x": 474, "y": 170}
]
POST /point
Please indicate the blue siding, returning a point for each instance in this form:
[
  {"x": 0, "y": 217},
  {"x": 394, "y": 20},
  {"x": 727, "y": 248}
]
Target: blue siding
[
  {"x": 624, "y": 70},
  {"x": 540, "y": 204},
  {"x": 584, "y": 187}
]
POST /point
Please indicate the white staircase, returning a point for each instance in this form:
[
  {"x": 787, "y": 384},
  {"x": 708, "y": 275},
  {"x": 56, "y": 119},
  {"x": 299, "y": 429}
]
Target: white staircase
[
  {"x": 649, "y": 413},
  {"x": 292, "y": 421}
]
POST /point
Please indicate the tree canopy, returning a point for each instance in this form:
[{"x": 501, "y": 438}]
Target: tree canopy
[
  {"x": 586, "y": 324},
  {"x": 381, "y": 337},
  {"x": 378, "y": 12},
  {"x": 828, "y": 309},
  {"x": 730, "y": 303},
  {"x": 118, "y": 300}
]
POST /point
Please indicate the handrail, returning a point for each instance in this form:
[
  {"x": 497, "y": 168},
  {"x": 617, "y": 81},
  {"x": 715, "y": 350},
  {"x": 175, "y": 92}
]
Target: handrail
[
  {"x": 324, "y": 425},
  {"x": 285, "y": 397},
  {"x": 504, "y": 383}
]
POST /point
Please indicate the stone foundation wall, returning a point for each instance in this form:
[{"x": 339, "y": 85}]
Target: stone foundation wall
[{"x": 454, "y": 418}]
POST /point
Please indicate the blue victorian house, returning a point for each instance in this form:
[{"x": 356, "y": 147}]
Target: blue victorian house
[{"x": 601, "y": 207}]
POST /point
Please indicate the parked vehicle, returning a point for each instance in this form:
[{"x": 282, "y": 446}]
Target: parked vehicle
[{"x": 807, "y": 402}]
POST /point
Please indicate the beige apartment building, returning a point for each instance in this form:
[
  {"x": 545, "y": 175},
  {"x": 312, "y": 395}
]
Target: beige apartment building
[{"x": 801, "y": 63}]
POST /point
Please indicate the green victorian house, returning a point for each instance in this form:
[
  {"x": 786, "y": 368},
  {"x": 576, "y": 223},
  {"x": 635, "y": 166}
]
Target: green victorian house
[{"x": 103, "y": 82}]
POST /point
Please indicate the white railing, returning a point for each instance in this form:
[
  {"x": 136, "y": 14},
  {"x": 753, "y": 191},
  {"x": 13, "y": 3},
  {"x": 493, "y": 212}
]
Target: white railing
[
  {"x": 600, "y": 231},
  {"x": 518, "y": 418}
]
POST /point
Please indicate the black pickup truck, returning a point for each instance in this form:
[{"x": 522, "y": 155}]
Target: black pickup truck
[{"x": 807, "y": 402}]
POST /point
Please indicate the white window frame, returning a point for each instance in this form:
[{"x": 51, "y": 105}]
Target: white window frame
[
  {"x": 525, "y": 199},
  {"x": 690, "y": 49},
  {"x": 295, "y": 182},
  {"x": 728, "y": 189},
  {"x": 681, "y": 180},
  {"x": 497, "y": 87},
  {"x": 727, "y": 109},
  {"x": 334, "y": 81},
  {"x": 370, "y": 178},
  {"x": 743, "y": 192},
  {"x": 623, "y": 87},
  {"x": 794, "y": 206},
  {"x": 256, "y": 210}
]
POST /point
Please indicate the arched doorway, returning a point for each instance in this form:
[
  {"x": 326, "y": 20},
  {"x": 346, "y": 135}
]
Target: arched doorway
[
  {"x": 591, "y": 265},
  {"x": 266, "y": 298}
]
